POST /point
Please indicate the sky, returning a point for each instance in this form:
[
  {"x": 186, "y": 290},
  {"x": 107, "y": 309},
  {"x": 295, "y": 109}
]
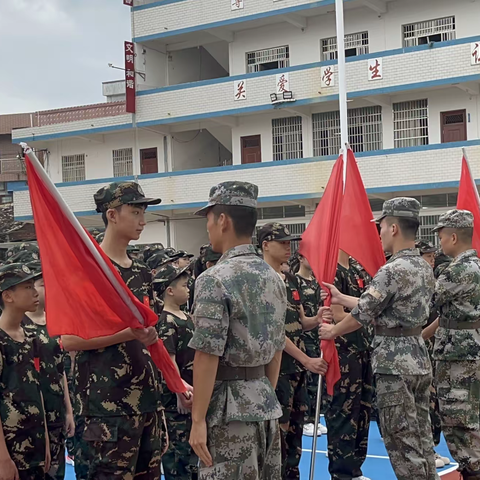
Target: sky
[{"x": 56, "y": 52}]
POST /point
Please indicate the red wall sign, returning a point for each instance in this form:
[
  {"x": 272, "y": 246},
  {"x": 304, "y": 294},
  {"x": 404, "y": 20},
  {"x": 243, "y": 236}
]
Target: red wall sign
[{"x": 130, "y": 75}]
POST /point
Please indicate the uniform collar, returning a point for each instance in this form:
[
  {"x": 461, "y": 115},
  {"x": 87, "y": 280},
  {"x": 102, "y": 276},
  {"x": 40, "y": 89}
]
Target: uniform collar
[
  {"x": 238, "y": 251},
  {"x": 406, "y": 252},
  {"x": 465, "y": 254}
]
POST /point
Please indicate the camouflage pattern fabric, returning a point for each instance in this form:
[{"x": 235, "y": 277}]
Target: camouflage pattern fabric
[
  {"x": 179, "y": 461},
  {"x": 275, "y": 232},
  {"x": 119, "y": 448},
  {"x": 150, "y": 250},
  {"x": 399, "y": 296},
  {"x": 67, "y": 361},
  {"x": 244, "y": 450},
  {"x": 435, "y": 419},
  {"x": 292, "y": 395},
  {"x": 293, "y": 326},
  {"x": 21, "y": 408},
  {"x": 21, "y": 247},
  {"x": 14, "y": 274},
  {"x": 24, "y": 257},
  {"x": 121, "y": 193},
  {"x": 57, "y": 452},
  {"x": 404, "y": 414},
  {"x": 455, "y": 219},
  {"x": 35, "y": 473},
  {"x": 348, "y": 413},
  {"x": 244, "y": 284},
  {"x": 241, "y": 194},
  {"x": 404, "y": 207}
]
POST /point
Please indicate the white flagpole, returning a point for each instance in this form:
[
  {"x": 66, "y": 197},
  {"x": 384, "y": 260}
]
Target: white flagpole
[{"x": 81, "y": 231}]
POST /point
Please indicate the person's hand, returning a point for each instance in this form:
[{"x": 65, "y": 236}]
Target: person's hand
[
  {"x": 336, "y": 296},
  {"x": 184, "y": 405},
  {"x": 326, "y": 332},
  {"x": 8, "y": 470},
  {"x": 198, "y": 441},
  {"x": 148, "y": 336},
  {"x": 69, "y": 425},
  {"x": 325, "y": 314},
  {"x": 316, "y": 365}
]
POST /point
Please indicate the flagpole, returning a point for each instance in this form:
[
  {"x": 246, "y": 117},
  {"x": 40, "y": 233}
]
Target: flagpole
[
  {"x": 342, "y": 85},
  {"x": 80, "y": 231},
  {"x": 315, "y": 425}
]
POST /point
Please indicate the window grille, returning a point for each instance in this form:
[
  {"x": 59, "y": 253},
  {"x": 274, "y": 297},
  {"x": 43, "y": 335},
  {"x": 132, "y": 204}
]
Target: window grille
[
  {"x": 268, "y": 59},
  {"x": 287, "y": 138},
  {"x": 410, "y": 123},
  {"x": 355, "y": 44},
  {"x": 123, "y": 162},
  {"x": 422, "y": 33},
  {"x": 73, "y": 168}
]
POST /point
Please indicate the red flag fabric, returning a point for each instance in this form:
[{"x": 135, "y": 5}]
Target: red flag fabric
[
  {"x": 80, "y": 299},
  {"x": 468, "y": 199},
  {"x": 320, "y": 244},
  {"x": 358, "y": 234}
]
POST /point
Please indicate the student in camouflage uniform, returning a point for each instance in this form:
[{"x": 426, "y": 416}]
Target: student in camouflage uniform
[
  {"x": 348, "y": 411},
  {"x": 117, "y": 388},
  {"x": 175, "y": 328},
  {"x": 239, "y": 337},
  {"x": 24, "y": 446},
  {"x": 457, "y": 342},
  {"x": 275, "y": 240},
  {"x": 397, "y": 301},
  {"x": 53, "y": 382}
]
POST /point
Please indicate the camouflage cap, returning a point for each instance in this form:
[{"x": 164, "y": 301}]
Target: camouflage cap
[
  {"x": 24, "y": 257},
  {"x": 124, "y": 193},
  {"x": 184, "y": 254},
  {"x": 35, "y": 267},
  {"x": 210, "y": 255},
  {"x": 14, "y": 274},
  {"x": 95, "y": 231},
  {"x": 151, "y": 249},
  {"x": 275, "y": 232},
  {"x": 455, "y": 219},
  {"x": 404, "y": 207},
  {"x": 241, "y": 194},
  {"x": 425, "y": 247},
  {"x": 165, "y": 276},
  {"x": 159, "y": 259},
  {"x": 24, "y": 246}
]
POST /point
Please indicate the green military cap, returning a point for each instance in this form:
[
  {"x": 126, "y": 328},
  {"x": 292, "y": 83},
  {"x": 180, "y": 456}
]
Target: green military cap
[
  {"x": 24, "y": 257},
  {"x": 455, "y": 219},
  {"x": 184, "y": 254},
  {"x": 159, "y": 259},
  {"x": 170, "y": 251},
  {"x": 152, "y": 249},
  {"x": 275, "y": 232},
  {"x": 165, "y": 276},
  {"x": 400, "y": 207},
  {"x": 95, "y": 231},
  {"x": 425, "y": 247},
  {"x": 14, "y": 274},
  {"x": 21, "y": 247},
  {"x": 35, "y": 267},
  {"x": 99, "y": 238},
  {"x": 241, "y": 194},
  {"x": 133, "y": 249},
  {"x": 210, "y": 255},
  {"x": 121, "y": 193}
]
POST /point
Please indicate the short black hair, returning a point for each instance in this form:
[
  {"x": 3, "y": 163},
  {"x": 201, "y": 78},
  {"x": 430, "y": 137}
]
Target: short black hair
[
  {"x": 104, "y": 215},
  {"x": 2, "y": 303},
  {"x": 408, "y": 226},
  {"x": 243, "y": 218},
  {"x": 465, "y": 235}
]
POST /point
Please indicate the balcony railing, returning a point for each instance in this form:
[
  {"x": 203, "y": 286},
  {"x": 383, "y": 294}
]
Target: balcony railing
[{"x": 12, "y": 169}]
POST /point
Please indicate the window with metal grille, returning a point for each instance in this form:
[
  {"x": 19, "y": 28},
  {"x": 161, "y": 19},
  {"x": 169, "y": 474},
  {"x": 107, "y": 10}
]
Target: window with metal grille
[
  {"x": 355, "y": 44},
  {"x": 422, "y": 33},
  {"x": 73, "y": 168},
  {"x": 427, "y": 223},
  {"x": 410, "y": 123},
  {"x": 287, "y": 138},
  {"x": 295, "y": 229},
  {"x": 268, "y": 59},
  {"x": 287, "y": 211},
  {"x": 123, "y": 162},
  {"x": 364, "y": 131},
  {"x": 454, "y": 118}
]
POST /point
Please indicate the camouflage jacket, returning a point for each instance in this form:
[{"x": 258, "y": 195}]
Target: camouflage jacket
[
  {"x": 240, "y": 317},
  {"x": 293, "y": 325},
  {"x": 176, "y": 334},
  {"x": 399, "y": 296},
  {"x": 51, "y": 372},
  {"x": 349, "y": 282},
  {"x": 457, "y": 297},
  {"x": 121, "y": 379},
  {"x": 310, "y": 294},
  {"x": 21, "y": 408}
]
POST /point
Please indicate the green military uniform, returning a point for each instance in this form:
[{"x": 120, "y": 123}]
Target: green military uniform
[
  {"x": 239, "y": 313},
  {"x": 397, "y": 301},
  {"x": 457, "y": 351},
  {"x": 291, "y": 387},
  {"x": 67, "y": 361},
  {"x": 348, "y": 411},
  {"x": 21, "y": 406},
  {"x": 117, "y": 388},
  {"x": 179, "y": 461}
]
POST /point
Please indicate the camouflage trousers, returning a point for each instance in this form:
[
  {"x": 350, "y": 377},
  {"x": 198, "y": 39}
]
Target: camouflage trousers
[
  {"x": 434, "y": 406},
  {"x": 403, "y": 404},
  {"x": 458, "y": 386},
  {"x": 292, "y": 395},
  {"x": 56, "y": 435},
  {"x": 36, "y": 473},
  {"x": 312, "y": 349},
  {"x": 179, "y": 461},
  {"x": 120, "y": 448},
  {"x": 243, "y": 450},
  {"x": 348, "y": 416}
]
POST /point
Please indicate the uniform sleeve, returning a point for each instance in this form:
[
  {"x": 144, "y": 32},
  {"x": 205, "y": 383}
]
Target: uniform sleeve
[
  {"x": 376, "y": 297},
  {"x": 168, "y": 332},
  {"x": 210, "y": 316},
  {"x": 448, "y": 287}
]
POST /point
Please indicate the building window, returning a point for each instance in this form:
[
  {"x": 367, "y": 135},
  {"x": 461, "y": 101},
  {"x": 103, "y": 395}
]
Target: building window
[
  {"x": 410, "y": 123},
  {"x": 427, "y": 223},
  {"x": 287, "y": 138},
  {"x": 73, "y": 168},
  {"x": 422, "y": 33},
  {"x": 6, "y": 199},
  {"x": 355, "y": 44},
  {"x": 287, "y": 211},
  {"x": 123, "y": 162},
  {"x": 364, "y": 131},
  {"x": 268, "y": 59}
]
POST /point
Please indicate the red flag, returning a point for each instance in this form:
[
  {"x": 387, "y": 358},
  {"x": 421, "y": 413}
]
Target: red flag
[
  {"x": 358, "y": 234},
  {"x": 468, "y": 199},
  {"x": 320, "y": 245},
  {"x": 85, "y": 295}
]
